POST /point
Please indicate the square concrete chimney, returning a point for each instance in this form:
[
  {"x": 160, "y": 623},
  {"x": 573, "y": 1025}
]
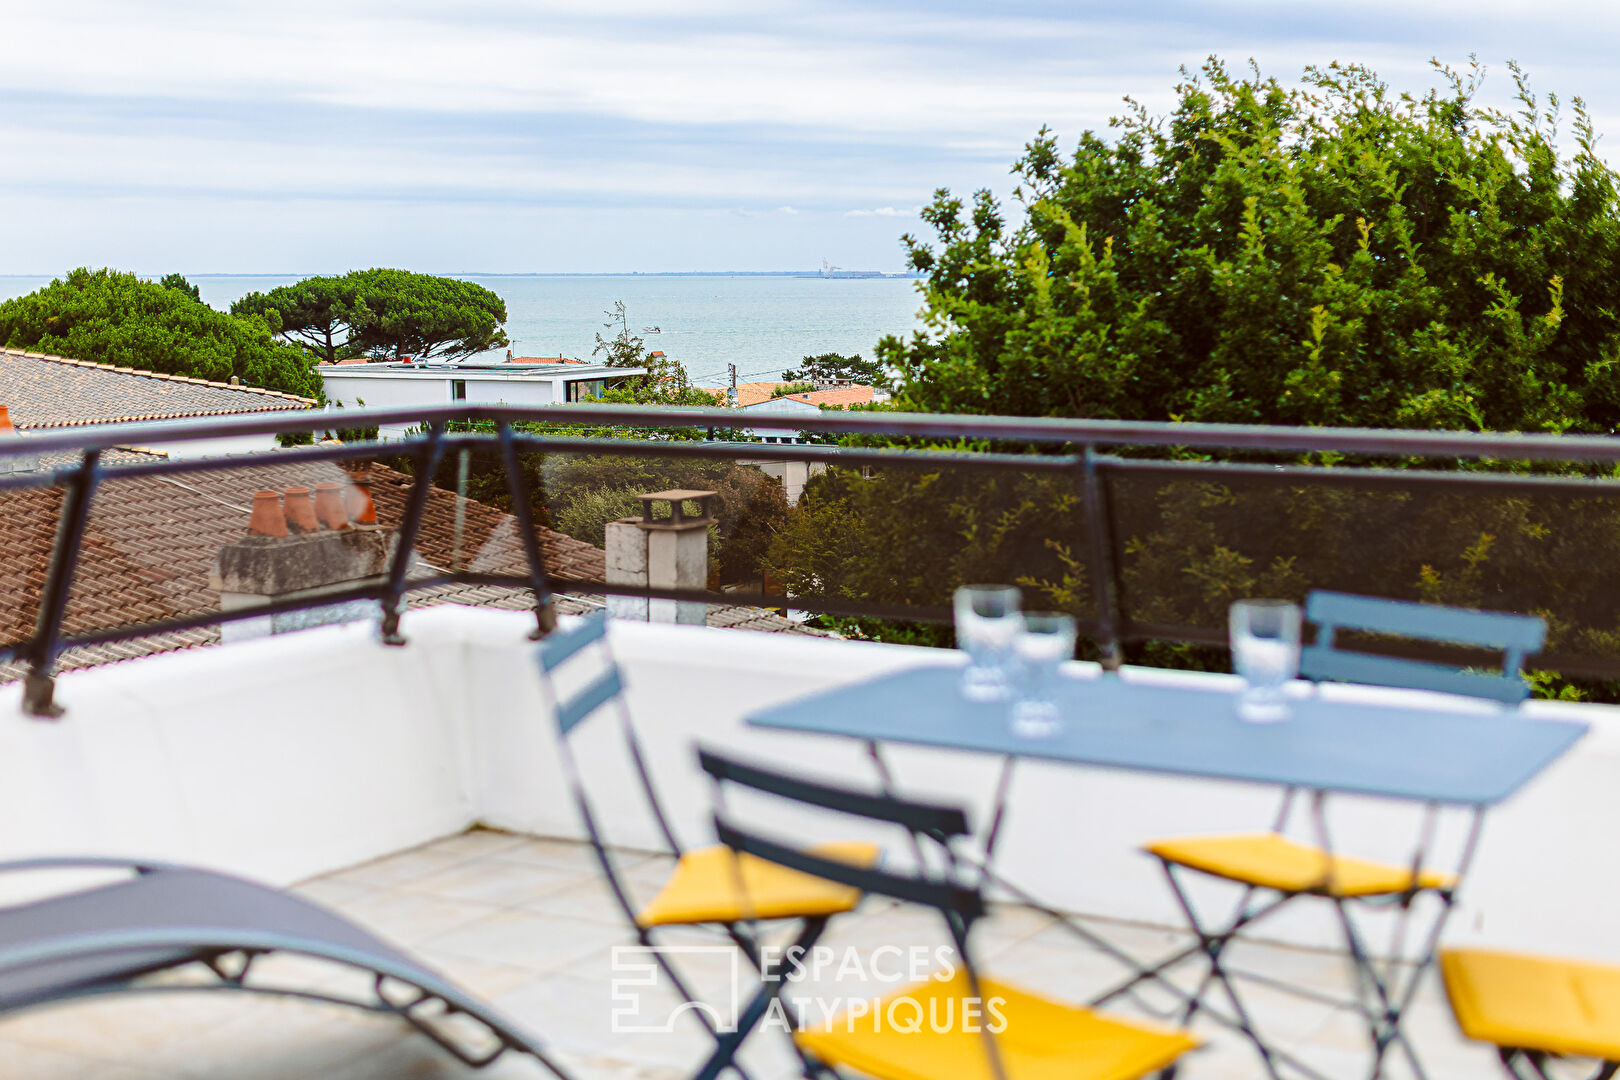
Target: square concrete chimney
[
  {"x": 661, "y": 553},
  {"x": 299, "y": 547}
]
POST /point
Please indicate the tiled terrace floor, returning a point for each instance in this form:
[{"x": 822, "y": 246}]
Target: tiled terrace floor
[{"x": 524, "y": 923}]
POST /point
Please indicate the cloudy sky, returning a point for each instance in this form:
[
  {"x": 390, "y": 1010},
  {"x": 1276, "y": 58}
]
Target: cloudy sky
[{"x": 620, "y": 135}]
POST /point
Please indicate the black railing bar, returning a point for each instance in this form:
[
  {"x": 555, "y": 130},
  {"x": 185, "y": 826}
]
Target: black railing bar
[
  {"x": 57, "y": 476},
  {"x": 1131, "y": 631},
  {"x": 545, "y": 609},
  {"x": 216, "y": 618},
  {"x": 427, "y": 453},
  {"x": 1363, "y": 441},
  {"x": 1356, "y": 476},
  {"x": 797, "y": 452},
  {"x": 1216, "y": 638},
  {"x": 265, "y": 459},
  {"x": 73, "y": 514}
]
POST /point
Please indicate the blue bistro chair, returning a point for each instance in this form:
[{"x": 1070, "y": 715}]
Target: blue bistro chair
[
  {"x": 710, "y": 886},
  {"x": 1036, "y": 1038},
  {"x": 1280, "y": 869}
]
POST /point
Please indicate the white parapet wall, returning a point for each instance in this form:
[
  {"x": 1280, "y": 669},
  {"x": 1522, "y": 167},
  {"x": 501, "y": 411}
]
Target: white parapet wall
[{"x": 292, "y": 755}]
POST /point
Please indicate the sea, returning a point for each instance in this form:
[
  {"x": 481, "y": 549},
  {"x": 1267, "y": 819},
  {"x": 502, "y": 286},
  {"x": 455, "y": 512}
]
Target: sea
[{"x": 762, "y": 323}]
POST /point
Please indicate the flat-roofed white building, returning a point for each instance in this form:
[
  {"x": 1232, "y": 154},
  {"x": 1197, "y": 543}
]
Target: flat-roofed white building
[{"x": 394, "y": 385}]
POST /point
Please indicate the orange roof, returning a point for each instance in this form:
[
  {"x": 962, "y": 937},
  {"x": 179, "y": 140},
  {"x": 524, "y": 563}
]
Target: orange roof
[
  {"x": 842, "y": 397},
  {"x": 748, "y": 393},
  {"x": 544, "y": 360}
]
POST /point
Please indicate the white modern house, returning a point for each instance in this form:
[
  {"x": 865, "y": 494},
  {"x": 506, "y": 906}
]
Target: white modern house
[{"x": 406, "y": 384}]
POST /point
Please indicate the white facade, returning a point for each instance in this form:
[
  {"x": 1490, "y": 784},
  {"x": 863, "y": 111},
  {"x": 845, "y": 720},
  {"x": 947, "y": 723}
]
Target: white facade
[
  {"x": 405, "y": 385},
  {"x": 782, "y": 406},
  {"x": 292, "y": 755}
]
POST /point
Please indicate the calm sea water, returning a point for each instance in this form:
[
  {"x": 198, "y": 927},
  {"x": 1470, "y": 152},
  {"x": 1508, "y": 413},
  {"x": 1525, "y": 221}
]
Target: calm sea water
[{"x": 761, "y": 324}]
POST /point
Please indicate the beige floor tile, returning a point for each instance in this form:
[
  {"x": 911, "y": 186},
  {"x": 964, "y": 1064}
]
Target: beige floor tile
[
  {"x": 393, "y": 870},
  {"x": 408, "y": 919},
  {"x": 477, "y": 843},
  {"x": 21, "y": 1061},
  {"x": 526, "y": 939},
  {"x": 497, "y": 882}
]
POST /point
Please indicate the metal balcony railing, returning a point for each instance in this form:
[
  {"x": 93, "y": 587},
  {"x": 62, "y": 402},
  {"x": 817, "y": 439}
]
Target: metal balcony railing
[{"x": 1123, "y": 476}]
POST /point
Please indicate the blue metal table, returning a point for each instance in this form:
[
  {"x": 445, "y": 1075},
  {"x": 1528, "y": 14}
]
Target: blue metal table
[
  {"x": 1457, "y": 752},
  {"x": 1473, "y": 754}
]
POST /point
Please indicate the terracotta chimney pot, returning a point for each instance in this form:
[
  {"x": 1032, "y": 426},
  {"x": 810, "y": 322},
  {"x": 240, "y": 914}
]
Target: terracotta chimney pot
[
  {"x": 329, "y": 506},
  {"x": 357, "y": 501},
  {"x": 5, "y": 419},
  {"x": 267, "y": 519},
  {"x": 300, "y": 511}
]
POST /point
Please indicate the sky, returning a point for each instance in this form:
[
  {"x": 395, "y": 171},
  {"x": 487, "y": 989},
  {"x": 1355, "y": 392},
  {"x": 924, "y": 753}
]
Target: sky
[{"x": 590, "y": 136}]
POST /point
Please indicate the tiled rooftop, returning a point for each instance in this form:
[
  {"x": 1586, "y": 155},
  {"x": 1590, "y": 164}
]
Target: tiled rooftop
[
  {"x": 152, "y": 541},
  {"x": 525, "y": 924},
  {"x": 45, "y": 391}
]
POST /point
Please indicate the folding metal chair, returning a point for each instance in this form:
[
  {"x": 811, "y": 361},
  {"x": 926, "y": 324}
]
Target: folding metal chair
[
  {"x": 709, "y": 886},
  {"x": 1014, "y": 1034},
  {"x": 1279, "y": 870},
  {"x": 1534, "y": 1009}
]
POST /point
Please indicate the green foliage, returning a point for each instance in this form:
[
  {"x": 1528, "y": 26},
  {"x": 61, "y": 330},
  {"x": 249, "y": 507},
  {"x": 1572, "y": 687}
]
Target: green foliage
[
  {"x": 665, "y": 382},
  {"x": 836, "y": 368},
  {"x": 585, "y": 511},
  {"x": 1336, "y": 253},
  {"x": 910, "y": 536},
  {"x": 116, "y": 318},
  {"x": 793, "y": 388},
  {"x": 179, "y": 282},
  {"x": 581, "y": 493},
  {"x": 382, "y": 314}
]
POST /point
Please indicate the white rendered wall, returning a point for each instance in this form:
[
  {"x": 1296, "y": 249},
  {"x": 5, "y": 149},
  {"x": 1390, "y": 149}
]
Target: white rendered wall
[{"x": 288, "y": 756}]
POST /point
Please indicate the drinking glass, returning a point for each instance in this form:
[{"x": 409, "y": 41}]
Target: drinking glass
[
  {"x": 1265, "y": 651},
  {"x": 1041, "y": 646},
  {"x": 987, "y": 619}
]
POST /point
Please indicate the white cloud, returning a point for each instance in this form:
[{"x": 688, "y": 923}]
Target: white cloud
[{"x": 779, "y": 116}]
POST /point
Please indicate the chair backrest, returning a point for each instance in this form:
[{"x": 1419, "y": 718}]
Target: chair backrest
[
  {"x": 562, "y": 645},
  {"x": 961, "y": 905},
  {"x": 565, "y": 649},
  {"x": 1515, "y": 635}
]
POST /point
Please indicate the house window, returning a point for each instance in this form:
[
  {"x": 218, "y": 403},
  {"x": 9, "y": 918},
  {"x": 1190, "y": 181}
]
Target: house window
[{"x": 458, "y": 389}]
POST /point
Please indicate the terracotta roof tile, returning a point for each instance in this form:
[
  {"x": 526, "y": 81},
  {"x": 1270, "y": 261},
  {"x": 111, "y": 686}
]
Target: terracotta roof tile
[
  {"x": 55, "y": 391},
  {"x": 841, "y": 396}
]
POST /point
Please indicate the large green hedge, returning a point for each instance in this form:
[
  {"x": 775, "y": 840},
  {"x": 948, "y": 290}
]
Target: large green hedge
[{"x": 1334, "y": 253}]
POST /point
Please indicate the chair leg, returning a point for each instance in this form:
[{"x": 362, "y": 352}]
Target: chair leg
[
  {"x": 1375, "y": 1002},
  {"x": 727, "y": 1045},
  {"x": 1213, "y": 944}
]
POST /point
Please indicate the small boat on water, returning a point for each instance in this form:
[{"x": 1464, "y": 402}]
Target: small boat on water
[{"x": 651, "y": 330}]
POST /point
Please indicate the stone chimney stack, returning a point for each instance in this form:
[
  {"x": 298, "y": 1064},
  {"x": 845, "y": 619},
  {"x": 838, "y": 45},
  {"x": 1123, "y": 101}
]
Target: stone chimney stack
[
  {"x": 10, "y": 441},
  {"x": 299, "y": 547},
  {"x": 661, "y": 553}
]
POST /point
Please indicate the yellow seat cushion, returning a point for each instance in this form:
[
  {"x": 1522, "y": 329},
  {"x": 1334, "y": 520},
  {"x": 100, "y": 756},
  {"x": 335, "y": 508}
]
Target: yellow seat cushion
[
  {"x": 704, "y": 888},
  {"x": 1534, "y": 1002},
  {"x": 1273, "y": 861},
  {"x": 1038, "y": 1039}
]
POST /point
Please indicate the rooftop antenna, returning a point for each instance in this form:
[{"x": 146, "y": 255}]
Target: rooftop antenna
[{"x": 731, "y": 394}]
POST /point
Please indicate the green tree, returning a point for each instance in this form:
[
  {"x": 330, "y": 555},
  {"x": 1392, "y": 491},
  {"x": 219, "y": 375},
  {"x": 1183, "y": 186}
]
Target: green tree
[
  {"x": 316, "y": 313},
  {"x": 1335, "y": 253},
  {"x": 382, "y": 314},
  {"x": 422, "y": 316},
  {"x": 116, "y": 318},
  {"x": 836, "y": 368},
  {"x": 665, "y": 382},
  {"x": 179, "y": 282}
]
